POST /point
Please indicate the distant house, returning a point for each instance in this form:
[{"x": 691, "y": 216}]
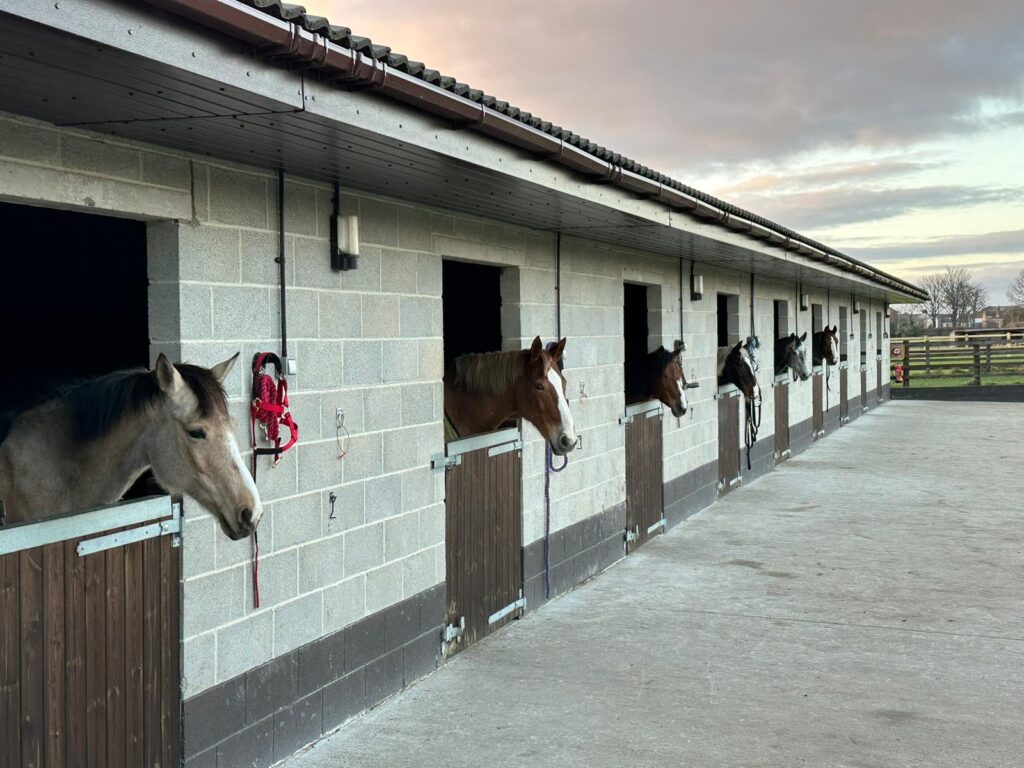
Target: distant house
[{"x": 999, "y": 316}]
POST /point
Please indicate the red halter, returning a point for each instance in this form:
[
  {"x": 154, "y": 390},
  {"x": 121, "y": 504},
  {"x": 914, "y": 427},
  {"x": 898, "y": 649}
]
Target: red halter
[{"x": 269, "y": 408}]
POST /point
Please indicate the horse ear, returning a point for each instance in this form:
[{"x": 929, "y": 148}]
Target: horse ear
[
  {"x": 558, "y": 351},
  {"x": 536, "y": 347},
  {"x": 835, "y": 329},
  {"x": 167, "y": 375},
  {"x": 221, "y": 370},
  {"x": 804, "y": 336},
  {"x": 737, "y": 347}
]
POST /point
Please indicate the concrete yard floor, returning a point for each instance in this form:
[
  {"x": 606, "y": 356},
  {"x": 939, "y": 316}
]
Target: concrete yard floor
[{"x": 859, "y": 606}]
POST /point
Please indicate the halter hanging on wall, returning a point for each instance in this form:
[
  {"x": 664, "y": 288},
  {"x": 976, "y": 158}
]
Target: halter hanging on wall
[{"x": 269, "y": 408}]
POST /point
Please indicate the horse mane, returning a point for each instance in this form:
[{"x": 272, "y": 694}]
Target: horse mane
[
  {"x": 6, "y": 420},
  {"x": 488, "y": 373},
  {"x": 96, "y": 406}
]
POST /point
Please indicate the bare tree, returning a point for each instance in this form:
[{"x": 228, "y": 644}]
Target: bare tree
[
  {"x": 936, "y": 302},
  {"x": 1015, "y": 293},
  {"x": 963, "y": 296}
]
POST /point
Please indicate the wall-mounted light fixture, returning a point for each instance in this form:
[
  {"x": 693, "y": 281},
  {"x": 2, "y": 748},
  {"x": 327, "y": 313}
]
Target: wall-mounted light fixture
[
  {"x": 696, "y": 287},
  {"x": 344, "y": 243},
  {"x": 856, "y": 307},
  {"x": 803, "y": 302}
]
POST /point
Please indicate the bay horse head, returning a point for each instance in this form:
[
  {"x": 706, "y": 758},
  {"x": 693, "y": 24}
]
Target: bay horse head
[
  {"x": 665, "y": 380},
  {"x": 193, "y": 449},
  {"x": 826, "y": 346},
  {"x": 738, "y": 369},
  {"x": 791, "y": 353},
  {"x": 540, "y": 396}
]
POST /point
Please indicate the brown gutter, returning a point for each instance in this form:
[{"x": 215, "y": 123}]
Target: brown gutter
[{"x": 275, "y": 37}]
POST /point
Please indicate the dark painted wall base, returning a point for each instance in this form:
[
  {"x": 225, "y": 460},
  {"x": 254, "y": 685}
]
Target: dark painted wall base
[
  {"x": 1003, "y": 393},
  {"x": 885, "y": 392},
  {"x": 801, "y": 435},
  {"x": 688, "y": 494},
  {"x": 854, "y": 410},
  {"x": 272, "y": 711},
  {"x": 576, "y": 553},
  {"x": 831, "y": 420}
]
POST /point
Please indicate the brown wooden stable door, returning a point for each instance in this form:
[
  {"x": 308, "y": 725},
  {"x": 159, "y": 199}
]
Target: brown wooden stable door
[
  {"x": 863, "y": 389},
  {"x": 878, "y": 381},
  {"x": 782, "y": 450},
  {"x": 818, "y": 403},
  {"x": 844, "y": 395},
  {"x": 89, "y": 649},
  {"x": 645, "y": 508},
  {"x": 728, "y": 440},
  {"x": 483, "y": 538}
]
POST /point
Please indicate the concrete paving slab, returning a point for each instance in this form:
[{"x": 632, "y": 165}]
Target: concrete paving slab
[{"x": 859, "y": 606}]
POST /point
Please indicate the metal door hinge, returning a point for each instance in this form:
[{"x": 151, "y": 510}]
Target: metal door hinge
[
  {"x": 660, "y": 524},
  {"x": 633, "y": 535},
  {"x": 440, "y": 461},
  {"x": 516, "y": 605},
  {"x": 625, "y": 419},
  {"x": 452, "y": 634}
]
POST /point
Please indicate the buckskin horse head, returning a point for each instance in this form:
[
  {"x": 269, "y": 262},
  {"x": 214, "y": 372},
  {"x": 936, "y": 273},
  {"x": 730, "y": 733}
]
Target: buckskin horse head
[
  {"x": 483, "y": 391},
  {"x": 87, "y": 444},
  {"x": 791, "y": 353}
]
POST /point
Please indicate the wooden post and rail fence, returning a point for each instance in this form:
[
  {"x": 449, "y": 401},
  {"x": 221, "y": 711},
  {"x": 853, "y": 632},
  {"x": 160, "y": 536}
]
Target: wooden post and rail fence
[{"x": 969, "y": 359}]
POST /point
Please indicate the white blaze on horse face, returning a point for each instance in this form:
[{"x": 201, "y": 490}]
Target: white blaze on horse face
[
  {"x": 247, "y": 481},
  {"x": 564, "y": 413},
  {"x": 682, "y": 395},
  {"x": 833, "y": 345},
  {"x": 753, "y": 372}
]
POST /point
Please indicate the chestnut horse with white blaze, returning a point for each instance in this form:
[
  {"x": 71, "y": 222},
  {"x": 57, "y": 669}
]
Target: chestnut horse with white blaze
[
  {"x": 86, "y": 445},
  {"x": 483, "y": 391}
]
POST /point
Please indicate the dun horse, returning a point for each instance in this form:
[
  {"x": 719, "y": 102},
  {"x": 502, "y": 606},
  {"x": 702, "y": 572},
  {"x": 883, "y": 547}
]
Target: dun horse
[
  {"x": 826, "y": 346},
  {"x": 84, "y": 447},
  {"x": 791, "y": 353},
  {"x": 659, "y": 376},
  {"x": 483, "y": 391}
]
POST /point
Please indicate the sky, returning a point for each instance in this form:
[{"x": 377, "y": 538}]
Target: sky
[{"x": 892, "y": 131}]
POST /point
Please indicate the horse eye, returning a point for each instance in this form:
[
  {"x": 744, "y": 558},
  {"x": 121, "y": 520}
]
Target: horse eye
[
  {"x": 197, "y": 434},
  {"x": 539, "y": 385}
]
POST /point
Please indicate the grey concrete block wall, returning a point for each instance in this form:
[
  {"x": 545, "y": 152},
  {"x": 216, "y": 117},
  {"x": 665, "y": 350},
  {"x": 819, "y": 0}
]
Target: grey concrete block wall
[{"x": 368, "y": 342}]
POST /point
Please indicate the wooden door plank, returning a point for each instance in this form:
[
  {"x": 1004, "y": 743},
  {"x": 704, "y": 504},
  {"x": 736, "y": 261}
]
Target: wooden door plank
[
  {"x": 75, "y": 693},
  {"x": 32, "y": 707},
  {"x": 115, "y": 662},
  {"x": 96, "y": 659},
  {"x": 133, "y": 655},
  {"x": 170, "y": 678},
  {"x": 10, "y": 658},
  {"x": 151, "y": 650},
  {"x": 54, "y": 656}
]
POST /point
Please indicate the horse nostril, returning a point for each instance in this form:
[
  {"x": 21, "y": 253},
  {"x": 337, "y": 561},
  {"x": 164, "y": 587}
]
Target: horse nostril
[
  {"x": 247, "y": 516},
  {"x": 566, "y": 442}
]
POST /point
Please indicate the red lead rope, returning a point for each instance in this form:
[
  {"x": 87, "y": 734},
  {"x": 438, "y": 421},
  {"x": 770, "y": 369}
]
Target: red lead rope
[{"x": 269, "y": 408}]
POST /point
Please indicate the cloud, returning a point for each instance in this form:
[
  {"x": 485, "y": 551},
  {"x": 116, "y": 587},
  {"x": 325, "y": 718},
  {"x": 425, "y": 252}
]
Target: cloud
[
  {"x": 832, "y": 207},
  {"x": 1008, "y": 242},
  {"x": 687, "y": 84}
]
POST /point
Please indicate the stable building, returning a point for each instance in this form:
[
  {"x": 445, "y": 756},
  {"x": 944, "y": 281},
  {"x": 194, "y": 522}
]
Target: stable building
[{"x": 203, "y": 171}]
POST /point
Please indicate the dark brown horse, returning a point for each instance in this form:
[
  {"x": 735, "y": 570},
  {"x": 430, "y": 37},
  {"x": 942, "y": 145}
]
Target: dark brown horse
[
  {"x": 483, "y": 391},
  {"x": 825, "y": 346},
  {"x": 658, "y": 376},
  {"x": 737, "y": 368}
]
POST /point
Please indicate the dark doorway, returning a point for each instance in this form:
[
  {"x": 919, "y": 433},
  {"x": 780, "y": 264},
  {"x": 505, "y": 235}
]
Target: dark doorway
[
  {"x": 75, "y": 288},
  {"x": 634, "y": 332},
  {"x": 471, "y": 308}
]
